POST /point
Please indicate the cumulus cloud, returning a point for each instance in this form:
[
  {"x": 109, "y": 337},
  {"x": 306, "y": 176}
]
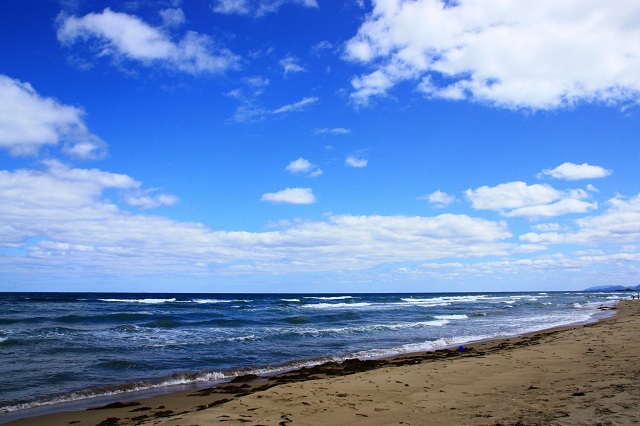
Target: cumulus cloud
[
  {"x": 126, "y": 37},
  {"x": 571, "y": 171},
  {"x": 291, "y": 196},
  {"x": 517, "y": 199},
  {"x": 514, "y": 54},
  {"x": 439, "y": 199},
  {"x": 356, "y": 162},
  {"x": 302, "y": 166},
  {"x": 257, "y": 8},
  {"x": 60, "y": 216},
  {"x": 619, "y": 224},
  {"x": 29, "y": 121}
]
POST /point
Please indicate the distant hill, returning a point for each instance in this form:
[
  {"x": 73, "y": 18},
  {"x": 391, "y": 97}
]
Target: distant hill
[{"x": 613, "y": 288}]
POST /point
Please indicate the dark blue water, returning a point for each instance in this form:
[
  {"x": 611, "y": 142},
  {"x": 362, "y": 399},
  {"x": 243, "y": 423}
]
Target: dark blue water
[{"x": 63, "y": 347}]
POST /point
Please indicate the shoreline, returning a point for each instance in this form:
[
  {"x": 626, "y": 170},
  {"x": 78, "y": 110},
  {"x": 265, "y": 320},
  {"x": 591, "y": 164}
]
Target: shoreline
[{"x": 230, "y": 397}]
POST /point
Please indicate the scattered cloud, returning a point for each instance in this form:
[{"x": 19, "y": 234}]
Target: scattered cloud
[
  {"x": 302, "y": 166},
  {"x": 356, "y": 162},
  {"x": 290, "y": 65},
  {"x": 619, "y": 224},
  {"x": 291, "y": 196},
  {"x": 68, "y": 201},
  {"x": 228, "y": 7},
  {"x": 126, "y": 37},
  {"x": 439, "y": 199},
  {"x": 298, "y": 106},
  {"x": 172, "y": 17},
  {"x": 571, "y": 171},
  {"x": 322, "y": 46},
  {"x": 250, "y": 111},
  {"x": 145, "y": 200},
  {"x": 257, "y": 81},
  {"x": 332, "y": 131},
  {"x": 512, "y": 54},
  {"x": 60, "y": 216},
  {"x": 517, "y": 199},
  {"x": 257, "y": 8},
  {"x": 29, "y": 121},
  {"x": 547, "y": 227}
]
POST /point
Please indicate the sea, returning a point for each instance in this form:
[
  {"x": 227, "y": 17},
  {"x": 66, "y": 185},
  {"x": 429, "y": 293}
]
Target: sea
[{"x": 61, "y": 349}]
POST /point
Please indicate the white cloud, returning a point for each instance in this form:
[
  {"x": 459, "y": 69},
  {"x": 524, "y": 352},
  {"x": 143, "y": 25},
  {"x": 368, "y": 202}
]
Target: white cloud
[
  {"x": 126, "y": 37},
  {"x": 61, "y": 199},
  {"x": 290, "y": 65},
  {"x": 517, "y": 199},
  {"x": 257, "y": 81},
  {"x": 302, "y": 166},
  {"x": 298, "y": 106},
  {"x": 439, "y": 199},
  {"x": 29, "y": 121},
  {"x": 514, "y": 53},
  {"x": 332, "y": 131},
  {"x": 291, "y": 196},
  {"x": 357, "y": 162},
  {"x": 145, "y": 200},
  {"x": 571, "y": 171},
  {"x": 240, "y": 7},
  {"x": 511, "y": 195},
  {"x": 547, "y": 227},
  {"x": 619, "y": 224},
  {"x": 172, "y": 17},
  {"x": 559, "y": 208},
  {"x": 60, "y": 217},
  {"x": 249, "y": 111},
  {"x": 257, "y": 8}
]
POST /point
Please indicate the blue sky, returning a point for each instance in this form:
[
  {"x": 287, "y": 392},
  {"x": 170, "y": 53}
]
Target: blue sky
[{"x": 316, "y": 146}]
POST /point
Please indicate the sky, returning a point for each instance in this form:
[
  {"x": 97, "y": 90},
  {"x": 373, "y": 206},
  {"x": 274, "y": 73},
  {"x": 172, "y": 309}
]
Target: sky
[{"x": 319, "y": 146}]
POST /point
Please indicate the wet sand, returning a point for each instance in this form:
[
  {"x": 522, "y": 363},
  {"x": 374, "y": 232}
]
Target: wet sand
[{"x": 580, "y": 375}]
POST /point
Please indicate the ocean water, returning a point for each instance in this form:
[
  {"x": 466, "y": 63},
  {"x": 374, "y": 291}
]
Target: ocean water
[{"x": 60, "y": 347}]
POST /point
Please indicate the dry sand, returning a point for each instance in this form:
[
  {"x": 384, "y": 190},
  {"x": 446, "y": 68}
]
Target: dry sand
[{"x": 582, "y": 375}]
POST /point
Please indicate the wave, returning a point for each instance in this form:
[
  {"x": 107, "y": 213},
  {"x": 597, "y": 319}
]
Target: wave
[
  {"x": 291, "y": 300},
  {"x": 330, "y": 297},
  {"x": 78, "y": 319},
  {"x": 451, "y": 317},
  {"x": 178, "y": 379},
  {"x": 360, "y": 329},
  {"x": 444, "y": 300},
  {"x": 143, "y": 301},
  {"x": 336, "y": 305},
  {"x": 427, "y": 346}
]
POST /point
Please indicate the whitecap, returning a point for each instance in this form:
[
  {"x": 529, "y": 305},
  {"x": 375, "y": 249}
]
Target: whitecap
[
  {"x": 336, "y": 305},
  {"x": 143, "y": 301},
  {"x": 450, "y": 317},
  {"x": 330, "y": 297}
]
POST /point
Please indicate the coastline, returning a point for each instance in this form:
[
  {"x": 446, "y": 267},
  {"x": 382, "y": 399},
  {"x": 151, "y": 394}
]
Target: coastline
[{"x": 584, "y": 374}]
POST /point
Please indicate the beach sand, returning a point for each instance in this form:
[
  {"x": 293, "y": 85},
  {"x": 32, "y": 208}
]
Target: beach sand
[{"x": 581, "y": 375}]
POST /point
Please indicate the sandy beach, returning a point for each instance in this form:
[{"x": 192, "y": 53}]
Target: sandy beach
[{"x": 580, "y": 375}]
